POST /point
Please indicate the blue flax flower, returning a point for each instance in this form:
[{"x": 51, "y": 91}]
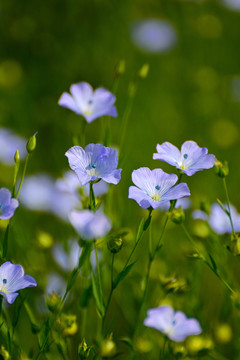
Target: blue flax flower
[
  {"x": 155, "y": 187},
  {"x": 218, "y": 219},
  {"x": 93, "y": 163},
  {"x": 172, "y": 323},
  {"x": 88, "y": 103},
  {"x": 12, "y": 279},
  {"x": 90, "y": 225},
  {"x": 190, "y": 159},
  {"x": 7, "y": 204}
]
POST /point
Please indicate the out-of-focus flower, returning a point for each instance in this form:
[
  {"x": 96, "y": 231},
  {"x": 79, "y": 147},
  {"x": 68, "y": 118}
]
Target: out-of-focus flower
[
  {"x": 93, "y": 163},
  {"x": 90, "y": 225},
  {"x": 68, "y": 260},
  {"x": 89, "y": 103},
  {"x": 218, "y": 219},
  {"x": 55, "y": 284},
  {"x": 232, "y": 4},
  {"x": 183, "y": 203},
  {"x": 40, "y": 193},
  {"x": 172, "y": 323},
  {"x": 9, "y": 142},
  {"x": 7, "y": 204},
  {"x": 153, "y": 35},
  {"x": 190, "y": 159},
  {"x": 12, "y": 279},
  {"x": 155, "y": 187}
]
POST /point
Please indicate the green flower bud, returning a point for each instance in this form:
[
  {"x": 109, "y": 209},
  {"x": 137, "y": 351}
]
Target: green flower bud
[
  {"x": 108, "y": 347},
  {"x": 143, "y": 72},
  {"x": 115, "y": 244},
  {"x": 53, "y": 302},
  {"x": 17, "y": 158},
  {"x": 68, "y": 324},
  {"x": 177, "y": 215},
  {"x": 221, "y": 169},
  {"x": 132, "y": 89},
  {"x": 223, "y": 333},
  {"x": 199, "y": 345},
  {"x": 31, "y": 144},
  {"x": 83, "y": 350},
  {"x": 234, "y": 245},
  {"x": 172, "y": 284},
  {"x": 4, "y": 354},
  {"x": 179, "y": 351}
]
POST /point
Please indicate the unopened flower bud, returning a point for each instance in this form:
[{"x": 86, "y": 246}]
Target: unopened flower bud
[
  {"x": 234, "y": 245},
  {"x": 45, "y": 240},
  {"x": 4, "y": 354},
  {"x": 53, "y": 302},
  {"x": 223, "y": 333},
  {"x": 221, "y": 169},
  {"x": 31, "y": 144},
  {"x": 199, "y": 345},
  {"x": 171, "y": 284},
  {"x": 108, "y": 347},
  {"x": 83, "y": 350},
  {"x": 17, "y": 157},
  {"x": 143, "y": 72},
  {"x": 132, "y": 89},
  {"x": 68, "y": 324},
  {"x": 179, "y": 351},
  {"x": 177, "y": 215},
  {"x": 115, "y": 244}
]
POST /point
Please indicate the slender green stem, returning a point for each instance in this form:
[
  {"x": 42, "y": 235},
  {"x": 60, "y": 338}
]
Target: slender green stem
[
  {"x": 228, "y": 204},
  {"x": 203, "y": 258},
  {"x": 23, "y": 175},
  {"x": 110, "y": 294},
  {"x": 92, "y": 204}
]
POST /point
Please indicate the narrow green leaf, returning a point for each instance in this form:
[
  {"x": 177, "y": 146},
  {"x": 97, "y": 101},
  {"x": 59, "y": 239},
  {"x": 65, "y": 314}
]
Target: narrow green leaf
[
  {"x": 122, "y": 274},
  {"x": 140, "y": 230},
  {"x": 222, "y": 206},
  {"x": 98, "y": 296},
  {"x": 213, "y": 262}
]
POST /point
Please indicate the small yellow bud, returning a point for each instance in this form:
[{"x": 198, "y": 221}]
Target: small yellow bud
[
  {"x": 177, "y": 215},
  {"x": 143, "y": 72},
  {"x": 68, "y": 324},
  {"x": 4, "y": 354},
  {"x": 199, "y": 345},
  {"x": 120, "y": 68},
  {"x": 45, "y": 240},
  {"x": 108, "y": 347},
  {"x": 221, "y": 169},
  {"x": 115, "y": 245},
  {"x": 223, "y": 333},
  {"x": 53, "y": 302}
]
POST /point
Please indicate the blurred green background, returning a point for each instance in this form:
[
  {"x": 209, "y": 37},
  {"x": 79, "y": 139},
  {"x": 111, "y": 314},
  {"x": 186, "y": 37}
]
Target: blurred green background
[{"x": 192, "y": 92}]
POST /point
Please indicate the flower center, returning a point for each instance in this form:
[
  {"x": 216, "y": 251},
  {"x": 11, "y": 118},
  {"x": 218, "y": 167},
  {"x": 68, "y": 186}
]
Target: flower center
[
  {"x": 88, "y": 110},
  {"x": 91, "y": 170},
  {"x": 4, "y": 281},
  {"x": 185, "y": 156},
  {"x": 158, "y": 187}
]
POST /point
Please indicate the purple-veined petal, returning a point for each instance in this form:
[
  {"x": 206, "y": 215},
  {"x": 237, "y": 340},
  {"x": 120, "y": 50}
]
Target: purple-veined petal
[
  {"x": 9, "y": 297},
  {"x": 176, "y": 192},
  {"x": 139, "y": 196},
  {"x": 114, "y": 177}
]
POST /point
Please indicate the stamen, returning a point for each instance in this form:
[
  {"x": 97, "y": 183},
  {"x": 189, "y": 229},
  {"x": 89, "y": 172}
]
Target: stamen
[
  {"x": 90, "y": 102},
  {"x": 158, "y": 187},
  {"x": 185, "y": 156},
  {"x": 4, "y": 281},
  {"x": 94, "y": 166}
]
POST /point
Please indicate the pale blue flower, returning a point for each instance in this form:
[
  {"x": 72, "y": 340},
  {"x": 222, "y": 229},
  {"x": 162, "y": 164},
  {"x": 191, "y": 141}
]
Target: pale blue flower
[
  {"x": 190, "y": 159},
  {"x": 232, "y": 4},
  {"x": 153, "y": 35},
  {"x": 12, "y": 279},
  {"x": 9, "y": 142},
  {"x": 8, "y": 204},
  {"x": 155, "y": 187},
  {"x": 218, "y": 220},
  {"x": 55, "y": 283},
  {"x": 89, "y": 103},
  {"x": 40, "y": 193},
  {"x": 93, "y": 163},
  {"x": 172, "y": 323},
  {"x": 90, "y": 225}
]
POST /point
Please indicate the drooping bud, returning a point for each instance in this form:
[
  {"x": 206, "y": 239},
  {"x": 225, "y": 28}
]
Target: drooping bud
[
  {"x": 221, "y": 169},
  {"x": 143, "y": 72},
  {"x": 31, "y": 144},
  {"x": 177, "y": 215},
  {"x": 83, "y": 350}
]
